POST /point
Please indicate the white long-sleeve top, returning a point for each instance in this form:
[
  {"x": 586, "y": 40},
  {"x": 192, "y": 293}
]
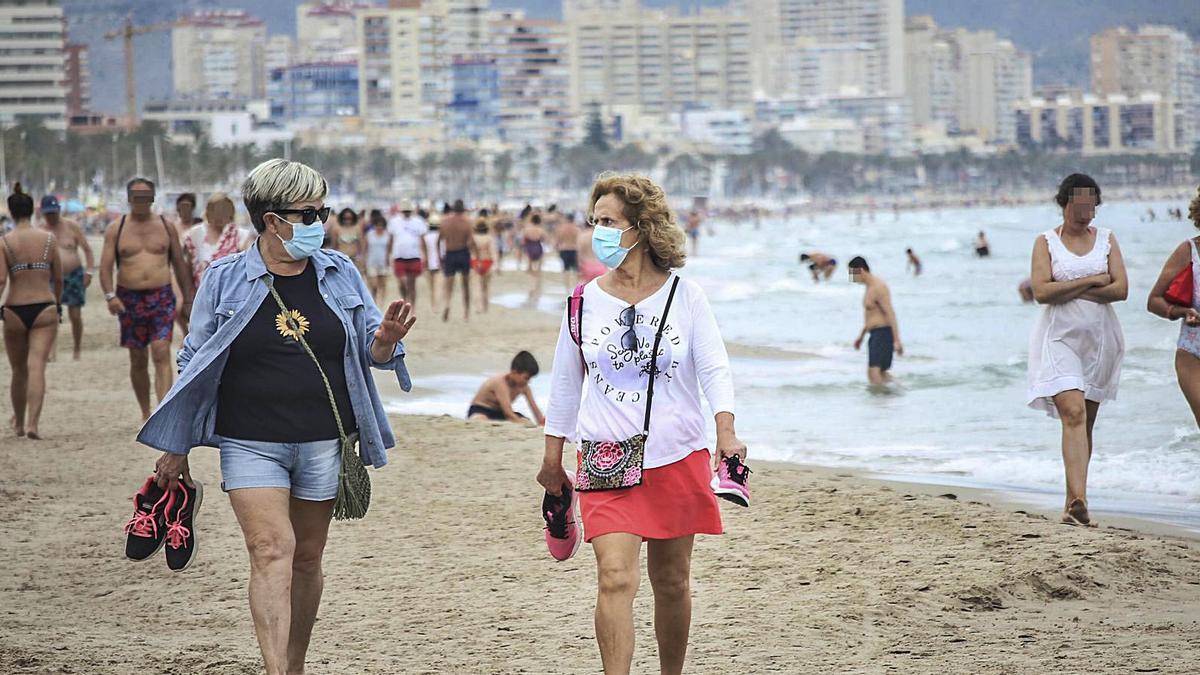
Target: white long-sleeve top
[{"x": 610, "y": 404}]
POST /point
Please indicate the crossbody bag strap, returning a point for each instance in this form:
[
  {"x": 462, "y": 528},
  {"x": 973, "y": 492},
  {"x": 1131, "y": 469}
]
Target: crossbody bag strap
[
  {"x": 291, "y": 322},
  {"x": 662, "y": 324}
]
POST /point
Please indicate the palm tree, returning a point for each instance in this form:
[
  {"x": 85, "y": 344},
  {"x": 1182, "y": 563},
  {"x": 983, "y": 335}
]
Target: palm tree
[{"x": 502, "y": 166}]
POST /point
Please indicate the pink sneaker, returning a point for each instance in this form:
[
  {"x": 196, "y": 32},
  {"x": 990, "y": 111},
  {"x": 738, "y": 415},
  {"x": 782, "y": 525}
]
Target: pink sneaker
[
  {"x": 564, "y": 529},
  {"x": 730, "y": 481}
]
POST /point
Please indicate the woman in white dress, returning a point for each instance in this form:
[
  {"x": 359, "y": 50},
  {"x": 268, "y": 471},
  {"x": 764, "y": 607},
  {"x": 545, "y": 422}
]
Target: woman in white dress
[{"x": 1076, "y": 348}]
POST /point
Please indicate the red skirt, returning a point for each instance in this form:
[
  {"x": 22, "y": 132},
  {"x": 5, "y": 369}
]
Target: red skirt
[{"x": 673, "y": 501}]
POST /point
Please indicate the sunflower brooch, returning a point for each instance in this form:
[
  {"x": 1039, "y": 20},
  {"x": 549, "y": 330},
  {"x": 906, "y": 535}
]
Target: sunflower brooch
[{"x": 291, "y": 324}]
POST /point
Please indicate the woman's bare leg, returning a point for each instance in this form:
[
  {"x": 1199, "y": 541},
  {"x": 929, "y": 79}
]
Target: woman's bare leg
[
  {"x": 40, "y": 341},
  {"x": 618, "y": 575},
  {"x": 264, "y": 516},
  {"x": 310, "y": 522},
  {"x": 1072, "y": 410},
  {"x": 669, "y": 562},
  {"x": 1187, "y": 369},
  {"x": 16, "y": 345}
]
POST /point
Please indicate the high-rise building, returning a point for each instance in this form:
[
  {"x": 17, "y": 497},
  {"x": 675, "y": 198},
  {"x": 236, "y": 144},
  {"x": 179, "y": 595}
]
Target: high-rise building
[
  {"x": 279, "y": 53},
  {"x": 466, "y": 26},
  {"x": 1157, "y": 59},
  {"x": 405, "y": 69},
  {"x": 219, "y": 55},
  {"x": 995, "y": 77},
  {"x": 475, "y": 100},
  {"x": 931, "y": 63},
  {"x": 862, "y": 40},
  {"x": 654, "y": 62},
  {"x": 314, "y": 90},
  {"x": 533, "y": 78},
  {"x": 328, "y": 28},
  {"x": 33, "y": 62},
  {"x": 965, "y": 81},
  {"x": 78, "y": 79}
]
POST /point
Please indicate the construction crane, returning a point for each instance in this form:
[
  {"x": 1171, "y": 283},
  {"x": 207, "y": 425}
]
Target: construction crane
[{"x": 127, "y": 32}]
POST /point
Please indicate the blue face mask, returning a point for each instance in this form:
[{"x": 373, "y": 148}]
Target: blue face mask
[
  {"x": 606, "y": 244},
  {"x": 305, "y": 241}
]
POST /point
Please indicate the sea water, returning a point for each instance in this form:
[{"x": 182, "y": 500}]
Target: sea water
[{"x": 956, "y": 412}]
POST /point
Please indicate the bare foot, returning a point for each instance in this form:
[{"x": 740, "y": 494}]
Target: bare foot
[
  {"x": 1078, "y": 510},
  {"x": 76, "y": 355},
  {"x": 33, "y": 436},
  {"x": 18, "y": 429},
  {"x": 445, "y": 315}
]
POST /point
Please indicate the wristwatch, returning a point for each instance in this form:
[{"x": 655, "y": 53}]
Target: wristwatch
[{"x": 109, "y": 296}]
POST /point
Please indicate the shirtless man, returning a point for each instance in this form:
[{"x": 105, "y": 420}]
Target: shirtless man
[
  {"x": 534, "y": 245},
  {"x": 495, "y": 397},
  {"x": 145, "y": 251},
  {"x": 914, "y": 263},
  {"x": 819, "y": 265},
  {"x": 879, "y": 320},
  {"x": 76, "y": 277},
  {"x": 982, "y": 249},
  {"x": 566, "y": 241},
  {"x": 455, "y": 238}
]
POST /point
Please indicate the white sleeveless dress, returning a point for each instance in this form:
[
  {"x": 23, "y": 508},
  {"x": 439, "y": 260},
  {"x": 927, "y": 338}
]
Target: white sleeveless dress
[{"x": 1078, "y": 344}]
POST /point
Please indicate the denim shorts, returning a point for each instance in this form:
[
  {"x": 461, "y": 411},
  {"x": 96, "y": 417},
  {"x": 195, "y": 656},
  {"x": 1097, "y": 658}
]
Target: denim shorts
[{"x": 308, "y": 470}]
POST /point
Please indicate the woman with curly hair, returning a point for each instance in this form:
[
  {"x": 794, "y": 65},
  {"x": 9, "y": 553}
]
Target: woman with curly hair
[
  {"x": 643, "y": 345},
  {"x": 1187, "y": 354}
]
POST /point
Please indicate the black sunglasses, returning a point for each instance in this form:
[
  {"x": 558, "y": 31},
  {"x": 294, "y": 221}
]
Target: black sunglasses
[
  {"x": 307, "y": 216},
  {"x": 629, "y": 340}
]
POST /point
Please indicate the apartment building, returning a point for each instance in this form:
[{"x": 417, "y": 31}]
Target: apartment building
[
  {"x": 219, "y": 55},
  {"x": 33, "y": 62}
]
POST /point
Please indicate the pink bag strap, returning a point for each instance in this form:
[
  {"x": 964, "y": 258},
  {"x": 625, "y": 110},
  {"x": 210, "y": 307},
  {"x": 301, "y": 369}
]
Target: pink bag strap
[{"x": 575, "y": 317}]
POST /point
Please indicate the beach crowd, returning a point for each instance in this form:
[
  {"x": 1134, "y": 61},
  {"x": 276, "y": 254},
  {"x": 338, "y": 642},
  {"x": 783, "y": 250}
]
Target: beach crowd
[{"x": 287, "y": 313}]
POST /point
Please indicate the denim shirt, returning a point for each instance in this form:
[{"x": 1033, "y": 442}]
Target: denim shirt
[{"x": 230, "y": 293}]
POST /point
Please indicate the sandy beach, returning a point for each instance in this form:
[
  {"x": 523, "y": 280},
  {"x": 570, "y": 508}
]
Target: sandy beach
[{"x": 827, "y": 572}]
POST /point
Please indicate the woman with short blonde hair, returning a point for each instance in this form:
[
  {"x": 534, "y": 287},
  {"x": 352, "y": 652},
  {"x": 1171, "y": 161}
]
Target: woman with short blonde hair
[
  {"x": 643, "y": 346},
  {"x": 276, "y": 373}
]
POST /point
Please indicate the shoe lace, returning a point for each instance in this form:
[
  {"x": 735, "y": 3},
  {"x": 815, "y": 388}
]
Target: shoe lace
[
  {"x": 737, "y": 470},
  {"x": 142, "y": 524},
  {"x": 177, "y": 535}
]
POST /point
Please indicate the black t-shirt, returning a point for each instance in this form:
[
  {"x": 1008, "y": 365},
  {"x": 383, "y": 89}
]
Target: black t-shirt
[{"x": 270, "y": 389}]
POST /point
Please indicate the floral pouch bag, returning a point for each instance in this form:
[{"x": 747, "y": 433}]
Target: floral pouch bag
[{"x": 611, "y": 465}]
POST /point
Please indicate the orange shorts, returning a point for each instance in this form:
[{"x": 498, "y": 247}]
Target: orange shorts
[{"x": 673, "y": 501}]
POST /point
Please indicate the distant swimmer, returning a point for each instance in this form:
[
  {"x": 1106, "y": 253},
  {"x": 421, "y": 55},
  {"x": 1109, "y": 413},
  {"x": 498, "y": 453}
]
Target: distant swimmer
[
  {"x": 981, "y": 245},
  {"x": 819, "y": 264},
  {"x": 914, "y": 263},
  {"x": 1025, "y": 288},
  {"x": 879, "y": 320},
  {"x": 495, "y": 397}
]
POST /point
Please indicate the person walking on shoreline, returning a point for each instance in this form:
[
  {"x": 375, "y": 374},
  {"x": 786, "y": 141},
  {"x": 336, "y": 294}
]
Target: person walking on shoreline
[
  {"x": 276, "y": 372},
  {"x": 77, "y": 276},
  {"x": 1187, "y": 353},
  {"x": 457, "y": 237},
  {"x": 31, "y": 272},
  {"x": 145, "y": 252},
  {"x": 1076, "y": 347},
  {"x": 879, "y": 321},
  {"x": 633, "y": 389}
]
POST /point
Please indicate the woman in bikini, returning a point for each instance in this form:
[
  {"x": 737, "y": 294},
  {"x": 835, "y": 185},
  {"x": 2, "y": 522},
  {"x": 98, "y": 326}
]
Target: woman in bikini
[
  {"x": 29, "y": 259},
  {"x": 1187, "y": 352},
  {"x": 486, "y": 243},
  {"x": 532, "y": 243}
]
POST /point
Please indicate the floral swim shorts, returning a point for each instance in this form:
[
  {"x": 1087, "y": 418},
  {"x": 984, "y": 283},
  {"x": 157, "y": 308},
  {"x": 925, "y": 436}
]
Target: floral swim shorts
[{"x": 149, "y": 315}]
